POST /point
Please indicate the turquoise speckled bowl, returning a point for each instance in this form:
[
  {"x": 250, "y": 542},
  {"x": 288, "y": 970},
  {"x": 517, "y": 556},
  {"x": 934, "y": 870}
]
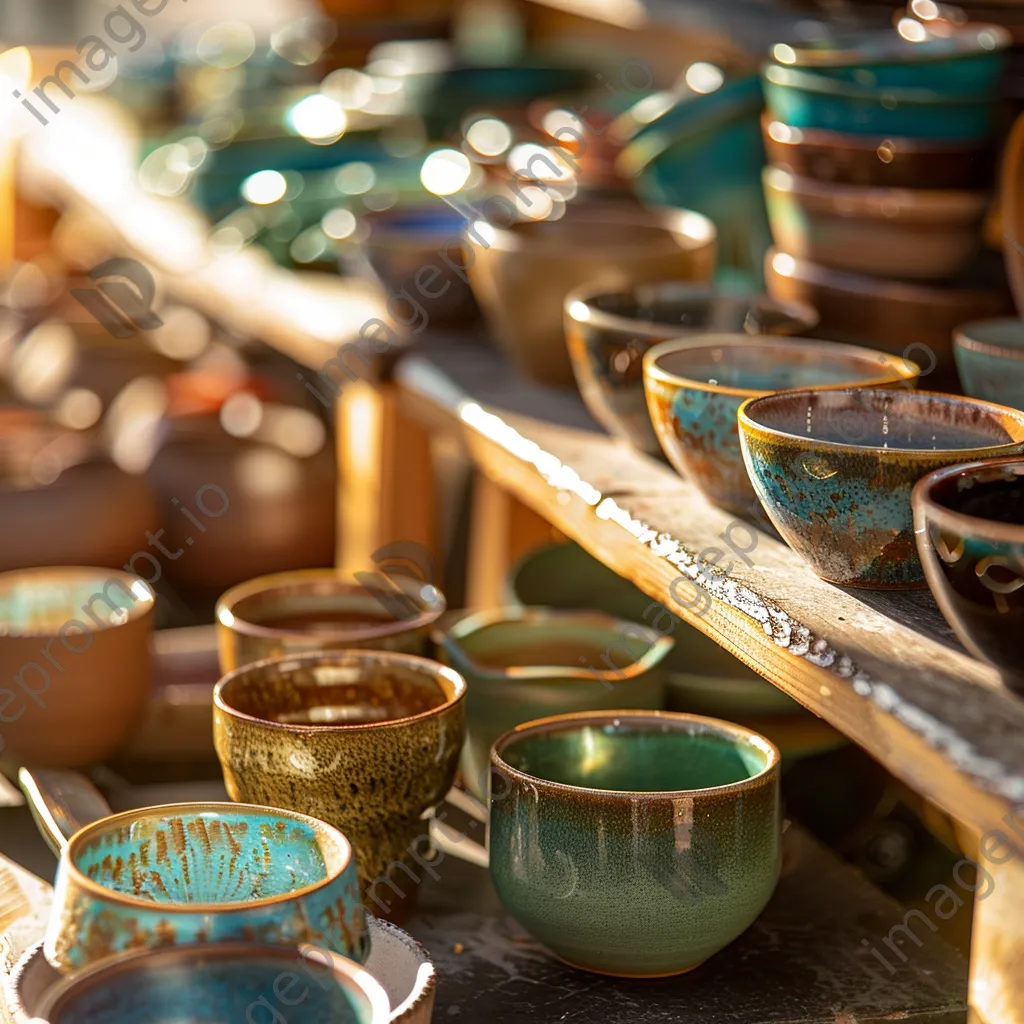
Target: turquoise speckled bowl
[
  {"x": 633, "y": 843},
  {"x": 990, "y": 360}
]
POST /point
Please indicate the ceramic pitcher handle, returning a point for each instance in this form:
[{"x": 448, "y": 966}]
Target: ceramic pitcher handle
[
  {"x": 452, "y": 842},
  {"x": 61, "y": 803}
]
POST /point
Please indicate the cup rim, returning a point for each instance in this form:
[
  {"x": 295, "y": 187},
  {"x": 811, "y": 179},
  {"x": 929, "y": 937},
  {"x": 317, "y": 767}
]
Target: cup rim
[
  {"x": 300, "y": 580},
  {"x": 904, "y": 370},
  {"x": 321, "y": 829},
  {"x": 125, "y": 963},
  {"x": 414, "y": 662},
  {"x": 574, "y": 720},
  {"x": 750, "y": 426},
  {"x": 963, "y": 338}
]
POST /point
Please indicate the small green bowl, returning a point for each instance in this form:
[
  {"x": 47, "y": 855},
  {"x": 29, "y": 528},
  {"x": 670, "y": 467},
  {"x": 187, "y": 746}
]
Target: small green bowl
[{"x": 990, "y": 360}]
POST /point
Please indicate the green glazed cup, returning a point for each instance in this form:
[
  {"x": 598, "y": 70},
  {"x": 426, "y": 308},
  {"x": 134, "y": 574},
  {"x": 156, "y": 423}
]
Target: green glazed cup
[
  {"x": 525, "y": 663},
  {"x": 631, "y": 843}
]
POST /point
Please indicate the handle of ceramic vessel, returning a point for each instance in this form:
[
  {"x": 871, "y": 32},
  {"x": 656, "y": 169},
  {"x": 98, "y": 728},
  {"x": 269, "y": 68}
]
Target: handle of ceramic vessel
[
  {"x": 468, "y": 804},
  {"x": 454, "y": 843},
  {"x": 1012, "y": 199},
  {"x": 61, "y": 803}
]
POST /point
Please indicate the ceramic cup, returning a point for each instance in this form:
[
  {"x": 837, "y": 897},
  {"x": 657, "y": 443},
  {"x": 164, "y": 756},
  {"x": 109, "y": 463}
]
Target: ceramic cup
[
  {"x": 634, "y": 843},
  {"x": 526, "y": 663},
  {"x": 236, "y": 981},
  {"x": 182, "y": 873},
  {"x": 990, "y": 360},
  {"x": 368, "y": 741},
  {"x": 316, "y": 609},
  {"x": 969, "y": 526},
  {"x": 74, "y": 660}
]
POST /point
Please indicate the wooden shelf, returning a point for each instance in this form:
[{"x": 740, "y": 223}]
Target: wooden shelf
[{"x": 884, "y": 668}]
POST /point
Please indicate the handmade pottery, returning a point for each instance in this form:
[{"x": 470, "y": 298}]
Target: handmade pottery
[
  {"x": 74, "y": 657},
  {"x": 1011, "y": 194},
  {"x": 834, "y": 471},
  {"x": 921, "y": 234},
  {"x": 632, "y": 843},
  {"x": 528, "y": 663},
  {"x": 695, "y": 387},
  {"x": 990, "y": 360},
  {"x": 877, "y": 161},
  {"x": 969, "y": 526},
  {"x": 193, "y": 872},
  {"x": 317, "y": 609},
  {"x": 607, "y": 334},
  {"x": 521, "y": 274},
  {"x": 368, "y": 741},
  {"x": 235, "y": 981}
]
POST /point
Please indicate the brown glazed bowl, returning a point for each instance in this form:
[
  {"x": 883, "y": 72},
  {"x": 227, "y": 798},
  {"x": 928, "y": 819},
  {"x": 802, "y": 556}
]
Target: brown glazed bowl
[
  {"x": 366, "y": 741},
  {"x": 75, "y": 663},
  {"x": 608, "y": 332},
  {"x": 319, "y": 610},
  {"x": 521, "y": 274},
  {"x": 884, "y": 163},
  {"x": 969, "y": 527}
]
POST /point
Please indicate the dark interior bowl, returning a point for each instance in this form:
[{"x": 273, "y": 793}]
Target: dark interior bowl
[{"x": 969, "y": 526}]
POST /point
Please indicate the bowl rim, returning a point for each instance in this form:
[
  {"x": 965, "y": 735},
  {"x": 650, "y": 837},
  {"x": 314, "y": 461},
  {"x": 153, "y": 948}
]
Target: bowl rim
[
  {"x": 747, "y": 425},
  {"x": 676, "y": 720},
  {"x": 320, "y": 829},
  {"x": 904, "y": 370},
  {"x": 962, "y": 338},
  {"x": 921, "y": 498}
]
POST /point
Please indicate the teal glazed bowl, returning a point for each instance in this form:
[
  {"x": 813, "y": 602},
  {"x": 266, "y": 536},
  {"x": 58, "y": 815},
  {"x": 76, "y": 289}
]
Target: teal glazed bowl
[
  {"x": 834, "y": 471},
  {"x": 526, "y": 663},
  {"x": 211, "y": 872},
  {"x": 634, "y": 844},
  {"x": 989, "y": 358},
  {"x": 694, "y": 389}
]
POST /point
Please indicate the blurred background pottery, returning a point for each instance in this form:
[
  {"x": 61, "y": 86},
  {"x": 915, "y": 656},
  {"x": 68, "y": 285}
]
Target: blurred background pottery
[
  {"x": 969, "y": 526},
  {"x": 1012, "y": 199},
  {"x": 75, "y": 705},
  {"x": 695, "y": 387},
  {"x": 834, "y": 471},
  {"x": 318, "y": 609},
  {"x": 918, "y": 234},
  {"x": 607, "y": 334},
  {"x": 522, "y": 274},
  {"x": 528, "y": 663},
  {"x": 990, "y": 360}
]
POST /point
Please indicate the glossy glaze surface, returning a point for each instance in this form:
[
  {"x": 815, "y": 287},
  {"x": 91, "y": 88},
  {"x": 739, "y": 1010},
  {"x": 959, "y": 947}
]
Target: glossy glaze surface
[
  {"x": 969, "y": 525},
  {"x": 694, "y": 389},
  {"x": 660, "y": 832},
  {"x": 834, "y": 471},
  {"x": 990, "y": 360},
  {"x": 185, "y": 873},
  {"x": 367, "y": 741}
]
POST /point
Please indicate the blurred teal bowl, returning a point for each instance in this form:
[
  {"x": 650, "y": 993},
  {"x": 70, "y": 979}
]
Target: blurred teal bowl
[{"x": 990, "y": 360}]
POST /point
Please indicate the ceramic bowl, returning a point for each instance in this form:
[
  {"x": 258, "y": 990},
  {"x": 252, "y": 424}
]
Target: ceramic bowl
[
  {"x": 876, "y": 160},
  {"x": 230, "y": 982},
  {"x": 694, "y": 389},
  {"x": 521, "y": 274},
  {"x": 528, "y": 663},
  {"x": 632, "y": 843},
  {"x": 366, "y": 740},
  {"x": 804, "y": 99},
  {"x": 919, "y": 234},
  {"x": 74, "y": 656},
  {"x": 990, "y": 360},
  {"x": 317, "y": 609},
  {"x": 607, "y": 334},
  {"x": 834, "y": 471},
  {"x": 915, "y": 320},
  {"x": 969, "y": 526}
]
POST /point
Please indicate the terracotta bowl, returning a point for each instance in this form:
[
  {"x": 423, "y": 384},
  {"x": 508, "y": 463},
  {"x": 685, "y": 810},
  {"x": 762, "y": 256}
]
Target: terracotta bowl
[
  {"x": 876, "y": 161},
  {"x": 521, "y": 274},
  {"x": 918, "y": 234},
  {"x": 608, "y": 333},
  {"x": 834, "y": 471},
  {"x": 74, "y": 654},
  {"x": 969, "y": 526},
  {"x": 694, "y": 389},
  {"x": 990, "y": 360}
]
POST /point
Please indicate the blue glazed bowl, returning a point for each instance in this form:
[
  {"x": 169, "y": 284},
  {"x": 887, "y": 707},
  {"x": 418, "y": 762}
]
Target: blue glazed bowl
[
  {"x": 234, "y": 982},
  {"x": 803, "y": 99},
  {"x": 210, "y": 872},
  {"x": 990, "y": 360}
]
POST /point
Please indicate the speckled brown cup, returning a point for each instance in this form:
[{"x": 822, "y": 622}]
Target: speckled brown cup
[{"x": 367, "y": 741}]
